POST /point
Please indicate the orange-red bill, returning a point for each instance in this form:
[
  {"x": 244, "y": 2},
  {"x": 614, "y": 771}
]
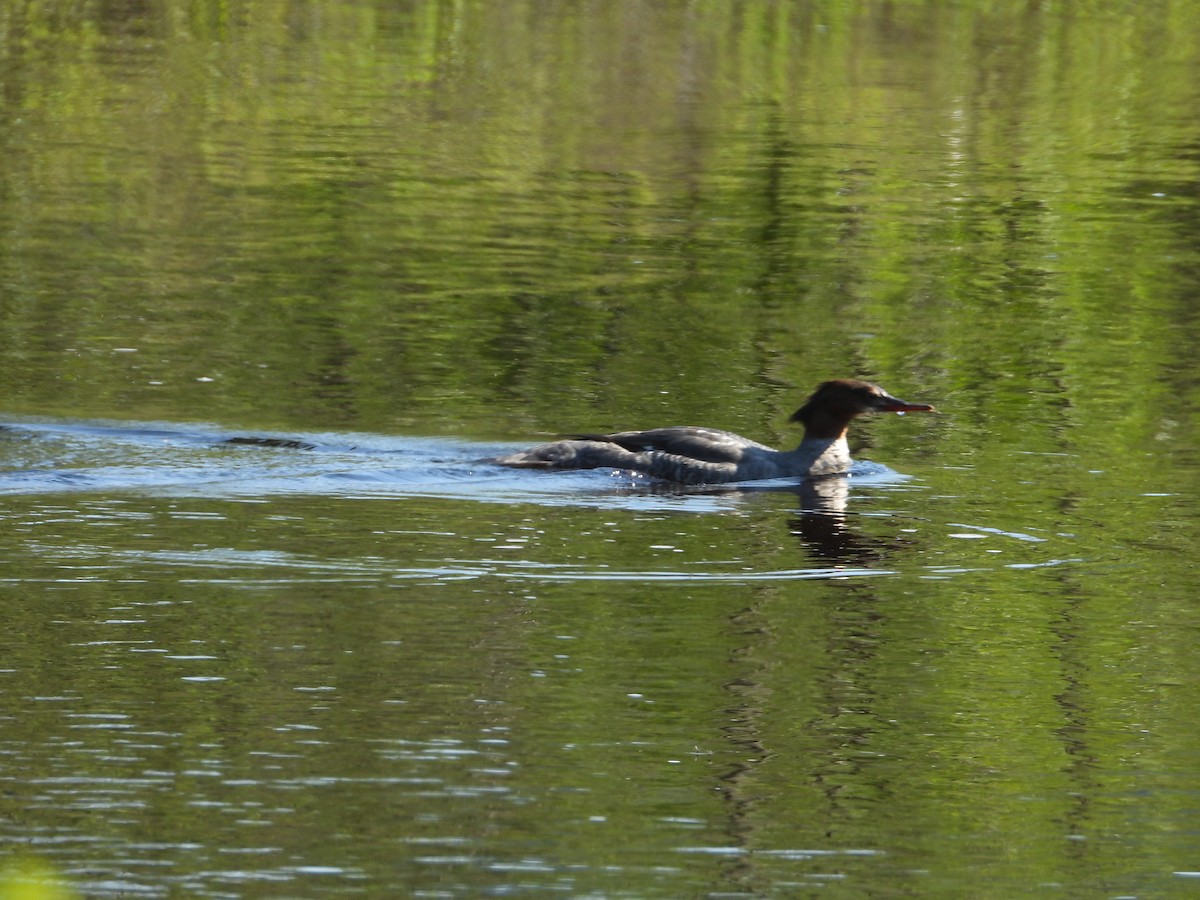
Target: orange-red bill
[{"x": 892, "y": 404}]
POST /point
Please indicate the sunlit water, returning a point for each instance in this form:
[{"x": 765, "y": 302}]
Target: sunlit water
[
  {"x": 379, "y": 664},
  {"x": 410, "y": 236}
]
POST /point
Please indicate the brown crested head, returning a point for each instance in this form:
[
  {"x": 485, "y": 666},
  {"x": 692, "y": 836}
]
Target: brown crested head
[{"x": 828, "y": 412}]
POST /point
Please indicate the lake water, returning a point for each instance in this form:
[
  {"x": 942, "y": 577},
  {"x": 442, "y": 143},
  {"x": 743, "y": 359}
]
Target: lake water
[{"x": 409, "y": 237}]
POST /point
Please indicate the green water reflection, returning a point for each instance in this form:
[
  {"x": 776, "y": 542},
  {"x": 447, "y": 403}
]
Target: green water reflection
[{"x": 497, "y": 221}]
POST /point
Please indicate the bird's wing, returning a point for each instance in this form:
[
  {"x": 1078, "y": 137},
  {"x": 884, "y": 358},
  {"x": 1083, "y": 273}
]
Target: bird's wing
[{"x": 707, "y": 444}]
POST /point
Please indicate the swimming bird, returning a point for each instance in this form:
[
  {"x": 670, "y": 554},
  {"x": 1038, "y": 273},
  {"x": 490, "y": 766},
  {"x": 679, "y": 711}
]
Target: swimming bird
[{"x": 692, "y": 455}]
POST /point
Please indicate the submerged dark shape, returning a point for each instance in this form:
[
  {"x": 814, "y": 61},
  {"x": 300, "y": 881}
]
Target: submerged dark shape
[
  {"x": 691, "y": 455},
  {"x": 278, "y": 443}
]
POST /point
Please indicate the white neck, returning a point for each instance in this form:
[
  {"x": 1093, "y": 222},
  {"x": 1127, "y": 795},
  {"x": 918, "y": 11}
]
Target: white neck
[{"x": 822, "y": 456}]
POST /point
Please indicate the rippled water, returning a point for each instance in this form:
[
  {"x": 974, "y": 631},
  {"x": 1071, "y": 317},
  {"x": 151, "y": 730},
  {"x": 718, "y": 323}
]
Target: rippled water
[
  {"x": 375, "y": 664},
  {"x": 405, "y": 238}
]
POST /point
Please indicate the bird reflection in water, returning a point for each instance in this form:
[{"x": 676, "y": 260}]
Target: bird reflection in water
[{"x": 823, "y": 526}]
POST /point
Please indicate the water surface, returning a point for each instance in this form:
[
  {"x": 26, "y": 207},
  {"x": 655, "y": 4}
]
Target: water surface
[{"x": 411, "y": 237}]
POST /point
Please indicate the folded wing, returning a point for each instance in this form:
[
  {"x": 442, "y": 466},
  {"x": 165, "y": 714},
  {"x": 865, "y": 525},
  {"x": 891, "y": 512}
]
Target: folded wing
[{"x": 705, "y": 444}]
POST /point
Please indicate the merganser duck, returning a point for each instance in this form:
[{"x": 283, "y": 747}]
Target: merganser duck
[{"x": 689, "y": 455}]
